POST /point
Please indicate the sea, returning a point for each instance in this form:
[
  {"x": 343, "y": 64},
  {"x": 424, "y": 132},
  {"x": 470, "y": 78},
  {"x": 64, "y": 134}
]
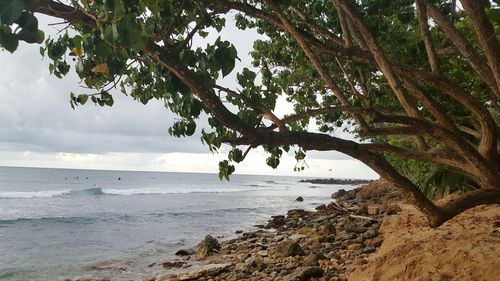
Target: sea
[{"x": 58, "y": 223}]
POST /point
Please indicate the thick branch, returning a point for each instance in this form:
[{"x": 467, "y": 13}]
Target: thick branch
[
  {"x": 383, "y": 63},
  {"x": 203, "y": 92},
  {"x": 470, "y": 200},
  {"x": 433, "y": 155},
  {"x": 424, "y": 28},
  {"x": 315, "y": 61},
  {"x": 486, "y": 35},
  {"x": 318, "y": 30},
  {"x": 322, "y": 142},
  {"x": 267, "y": 113},
  {"x": 487, "y": 145},
  {"x": 430, "y": 105},
  {"x": 489, "y": 174},
  {"x": 346, "y": 34},
  {"x": 465, "y": 49}
]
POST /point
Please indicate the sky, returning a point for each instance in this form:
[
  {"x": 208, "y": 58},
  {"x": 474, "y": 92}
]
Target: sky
[{"x": 38, "y": 128}]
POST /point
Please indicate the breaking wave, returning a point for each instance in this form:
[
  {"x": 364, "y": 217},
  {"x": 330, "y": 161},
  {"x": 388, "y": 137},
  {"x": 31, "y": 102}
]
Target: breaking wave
[{"x": 97, "y": 191}]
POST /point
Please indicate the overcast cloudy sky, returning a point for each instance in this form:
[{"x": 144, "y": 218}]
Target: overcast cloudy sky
[{"x": 38, "y": 128}]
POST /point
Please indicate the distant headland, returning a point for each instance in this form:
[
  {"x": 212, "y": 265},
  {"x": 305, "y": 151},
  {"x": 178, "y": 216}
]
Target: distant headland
[{"x": 337, "y": 181}]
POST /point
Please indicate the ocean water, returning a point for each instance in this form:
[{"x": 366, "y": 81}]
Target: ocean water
[{"x": 55, "y": 222}]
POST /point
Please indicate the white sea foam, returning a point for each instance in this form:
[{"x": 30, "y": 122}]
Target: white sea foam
[
  {"x": 162, "y": 191},
  {"x": 33, "y": 194},
  {"x": 125, "y": 191}
]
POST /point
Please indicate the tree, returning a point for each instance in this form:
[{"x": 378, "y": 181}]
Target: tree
[{"x": 415, "y": 80}]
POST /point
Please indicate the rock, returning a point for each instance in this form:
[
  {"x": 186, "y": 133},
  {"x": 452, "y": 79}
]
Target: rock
[
  {"x": 496, "y": 224},
  {"x": 276, "y": 221},
  {"x": 296, "y": 213},
  {"x": 255, "y": 264},
  {"x": 278, "y": 238},
  {"x": 393, "y": 210},
  {"x": 305, "y": 274},
  {"x": 369, "y": 250},
  {"x": 173, "y": 264},
  {"x": 207, "y": 246},
  {"x": 339, "y": 194},
  {"x": 238, "y": 231},
  {"x": 375, "y": 242},
  {"x": 297, "y": 237},
  {"x": 300, "y": 199},
  {"x": 378, "y": 190},
  {"x": 362, "y": 210},
  {"x": 373, "y": 210},
  {"x": 326, "y": 229},
  {"x": 359, "y": 262},
  {"x": 356, "y": 228},
  {"x": 204, "y": 271},
  {"x": 287, "y": 248},
  {"x": 321, "y": 207},
  {"x": 109, "y": 265},
  {"x": 263, "y": 253},
  {"x": 92, "y": 279},
  {"x": 249, "y": 235},
  {"x": 370, "y": 233},
  {"x": 355, "y": 246},
  {"x": 184, "y": 252},
  {"x": 312, "y": 259}
]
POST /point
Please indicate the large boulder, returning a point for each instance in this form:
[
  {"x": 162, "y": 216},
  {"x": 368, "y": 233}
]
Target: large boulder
[
  {"x": 287, "y": 248},
  {"x": 184, "y": 252},
  {"x": 207, "y": 246},
  {"x": 306, "y": 273},
  {"x": 339, "y": 194},
  {"x": 205, "y": 271}
]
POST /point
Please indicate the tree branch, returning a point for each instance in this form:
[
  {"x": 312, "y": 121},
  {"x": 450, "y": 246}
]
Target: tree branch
[
  {"x": 424, "y": 28},
  {"x": 267, "y": 113},
  {"x": 315, "y": 61},
  {"x": 486, "y": 35},
  {"x": 465, "y": 49},
  {"x": 433, "y": 155}
]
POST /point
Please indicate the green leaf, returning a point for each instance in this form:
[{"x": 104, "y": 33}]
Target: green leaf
[
  {"x": 10, "y": 11},
  {"x": 111, "y": 33},
  {"x": 196, "y": 107},
  {"x": 27, "y": 21},
  {"x": 236, "y": 155},
  {"x": 82, "y": 99},
  {"x": 273, "y": 162},
  {"x": 110, "y": 101},
  {"x": 31, "y": 36},
  {"x": 102, "y": 49},
  {"x": 131, "y": 34},
  {"x": 494, "y": 15},
  {"x": 9, "y": 41},
  {"x": 225, "y": 55},
  {"x": 225, "y": 170},
  {"x": 190, "y": 128},
  {"x": 119, "y": 9}
]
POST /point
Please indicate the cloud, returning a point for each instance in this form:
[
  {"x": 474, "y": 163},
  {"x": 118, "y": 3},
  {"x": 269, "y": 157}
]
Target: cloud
[
  {"x": 39, "y": 128},
  {"x": 187, "y": 162}
]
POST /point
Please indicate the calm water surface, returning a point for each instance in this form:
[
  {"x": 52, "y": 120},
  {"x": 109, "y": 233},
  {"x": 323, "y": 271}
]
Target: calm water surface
[{"x": 53, "y": 222}]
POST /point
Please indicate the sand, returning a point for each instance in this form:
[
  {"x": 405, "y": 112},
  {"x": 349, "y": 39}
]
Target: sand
[{"x": 464, "y": 248}]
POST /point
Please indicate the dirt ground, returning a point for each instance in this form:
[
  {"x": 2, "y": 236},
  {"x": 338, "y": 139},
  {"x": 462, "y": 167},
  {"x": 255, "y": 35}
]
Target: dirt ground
[{"x": 464, "y": 248}]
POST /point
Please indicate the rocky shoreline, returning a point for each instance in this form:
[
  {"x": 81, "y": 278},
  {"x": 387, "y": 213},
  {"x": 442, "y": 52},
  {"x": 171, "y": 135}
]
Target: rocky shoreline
[
  {"x": 343, "y": 240},
  {"x": 301, "y": 245}
]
